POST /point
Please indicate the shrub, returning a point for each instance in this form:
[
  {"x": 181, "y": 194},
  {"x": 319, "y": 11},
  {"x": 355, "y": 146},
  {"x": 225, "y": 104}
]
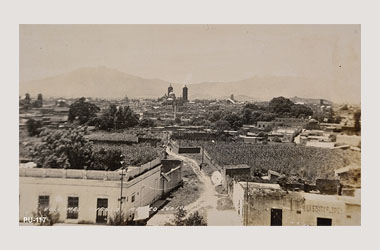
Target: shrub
[
  {"x": 52, "y": 217},
  {"x": 195, "y": 219},
  {"x": 118, "y": 219}
]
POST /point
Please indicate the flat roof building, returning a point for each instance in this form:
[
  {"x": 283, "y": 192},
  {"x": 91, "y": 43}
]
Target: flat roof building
[
  {"x": 88, "y": 196},
  {"x": 263, "y": 204}
]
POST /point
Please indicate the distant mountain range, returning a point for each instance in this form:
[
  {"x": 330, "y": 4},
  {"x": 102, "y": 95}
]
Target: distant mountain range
[{"x": 104, "y": 82}]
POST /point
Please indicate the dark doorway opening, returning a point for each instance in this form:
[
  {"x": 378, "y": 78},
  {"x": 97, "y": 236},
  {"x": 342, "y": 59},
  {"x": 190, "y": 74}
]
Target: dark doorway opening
[
  {"x": 324, "y": 221},
  {"x": 276, "y": 217},
  {"x": 101, "y": 210}
]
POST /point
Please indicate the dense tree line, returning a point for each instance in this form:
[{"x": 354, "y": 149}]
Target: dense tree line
[
  {"x": 121, "y": 117},
  {"x": 252, "y": 113},
  {"x": 116, "y": 118},
  {"x": 69, "y": 149}
]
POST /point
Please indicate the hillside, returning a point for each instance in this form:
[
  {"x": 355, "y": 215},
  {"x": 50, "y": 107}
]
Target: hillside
[
  {"x": 97, "y": 82},
  {"x": 259, "y": 88},
  {"x": 110, "y": 83}
]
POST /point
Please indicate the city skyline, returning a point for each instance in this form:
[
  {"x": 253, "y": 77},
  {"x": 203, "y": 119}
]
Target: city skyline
[{"x": 323, "y": 55}]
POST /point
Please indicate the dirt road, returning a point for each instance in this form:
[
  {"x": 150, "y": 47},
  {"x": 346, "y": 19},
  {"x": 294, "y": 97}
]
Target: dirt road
[{"x": 206, "y": 203}]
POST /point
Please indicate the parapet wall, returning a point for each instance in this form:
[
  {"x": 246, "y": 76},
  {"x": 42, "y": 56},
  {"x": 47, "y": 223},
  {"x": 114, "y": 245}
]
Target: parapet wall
[{"x": 87, "y": 174}]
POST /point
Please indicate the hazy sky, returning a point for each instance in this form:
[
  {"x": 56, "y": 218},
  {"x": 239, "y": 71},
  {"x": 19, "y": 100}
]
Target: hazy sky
[{"x": 195, "y": 53}]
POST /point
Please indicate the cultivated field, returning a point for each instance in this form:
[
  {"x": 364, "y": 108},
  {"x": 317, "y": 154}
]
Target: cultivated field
[{"x": 293, "y": 160}]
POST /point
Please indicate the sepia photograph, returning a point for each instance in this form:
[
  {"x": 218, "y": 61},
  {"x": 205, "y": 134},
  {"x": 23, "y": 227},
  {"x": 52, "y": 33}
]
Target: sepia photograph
[{"x": 190, "y": 125}]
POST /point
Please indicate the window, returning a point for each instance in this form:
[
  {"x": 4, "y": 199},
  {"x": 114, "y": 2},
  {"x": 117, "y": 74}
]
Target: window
[
  {"x": 133, "y": 198},
  {"x": 72, "y": 207},
  {"x": 43, "y": 202}
]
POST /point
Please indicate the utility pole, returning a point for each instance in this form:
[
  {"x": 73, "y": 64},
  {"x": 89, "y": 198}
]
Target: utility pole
[
  {"x": 247, "y": 206},
  {"x": 203, "y": 153},
  {"x": 121, "y": 190}
]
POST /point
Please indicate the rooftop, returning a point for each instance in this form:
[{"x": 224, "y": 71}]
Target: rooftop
[
  {"x": 236, "y": 166},
  {"x": 257, "y": 185}
]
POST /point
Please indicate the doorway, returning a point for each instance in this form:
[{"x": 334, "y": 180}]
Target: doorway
[
  {"x": 276, "y": 217},
  {"x": 101, "y": 210}
]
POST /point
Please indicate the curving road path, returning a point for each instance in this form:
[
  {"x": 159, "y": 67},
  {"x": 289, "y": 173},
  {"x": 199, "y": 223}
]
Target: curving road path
[{"x": 207, "y": 202}]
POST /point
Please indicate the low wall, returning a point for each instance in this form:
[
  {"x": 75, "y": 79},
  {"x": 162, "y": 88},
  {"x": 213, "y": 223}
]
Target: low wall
[
  {"x": 194, "y": 136},
  {"x": 87, "y": 174},
  {"x": 189, "y": 150},
  {"x": 184, "y": 150}
]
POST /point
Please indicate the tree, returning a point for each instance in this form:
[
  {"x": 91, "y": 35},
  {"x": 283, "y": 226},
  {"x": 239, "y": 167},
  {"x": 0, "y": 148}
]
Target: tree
[
  {"x": 234, "y": 120},
  {"x": 216, "y": 116},
  {"x": 299, "y": 110},
  {"x": 199, "y": 121},
  {"x": 221, "y": 125},
  {"x": 280, "y": 105},
  {"x": 109, "y": 160},
  {"x": 118, "y": 117},
  {"x": 265, "y": 116},
  {"x": 82, "y": 111},
  {"x": 33, "y": 127},
  {"x": 251, "y": 106},
  {"x": 247, "y": 116},
  {"x": 63, "y": 149},
  {"x": 125, "y": 118}
]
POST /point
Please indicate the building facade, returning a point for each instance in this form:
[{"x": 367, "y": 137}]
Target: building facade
[
  {"x": 87, "y": 196},
  {"x": 264, "y": 204}
]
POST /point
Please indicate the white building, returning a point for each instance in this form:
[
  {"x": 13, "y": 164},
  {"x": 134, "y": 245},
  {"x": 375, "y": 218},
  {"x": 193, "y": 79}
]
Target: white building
[
  {"x": 88, "y": 196},
  {"x": 267, "y": 204}
]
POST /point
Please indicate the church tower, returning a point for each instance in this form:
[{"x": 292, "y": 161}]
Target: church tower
[
  {"x": 170, "y": 89},
  {"x": 185, "y": 94}
]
